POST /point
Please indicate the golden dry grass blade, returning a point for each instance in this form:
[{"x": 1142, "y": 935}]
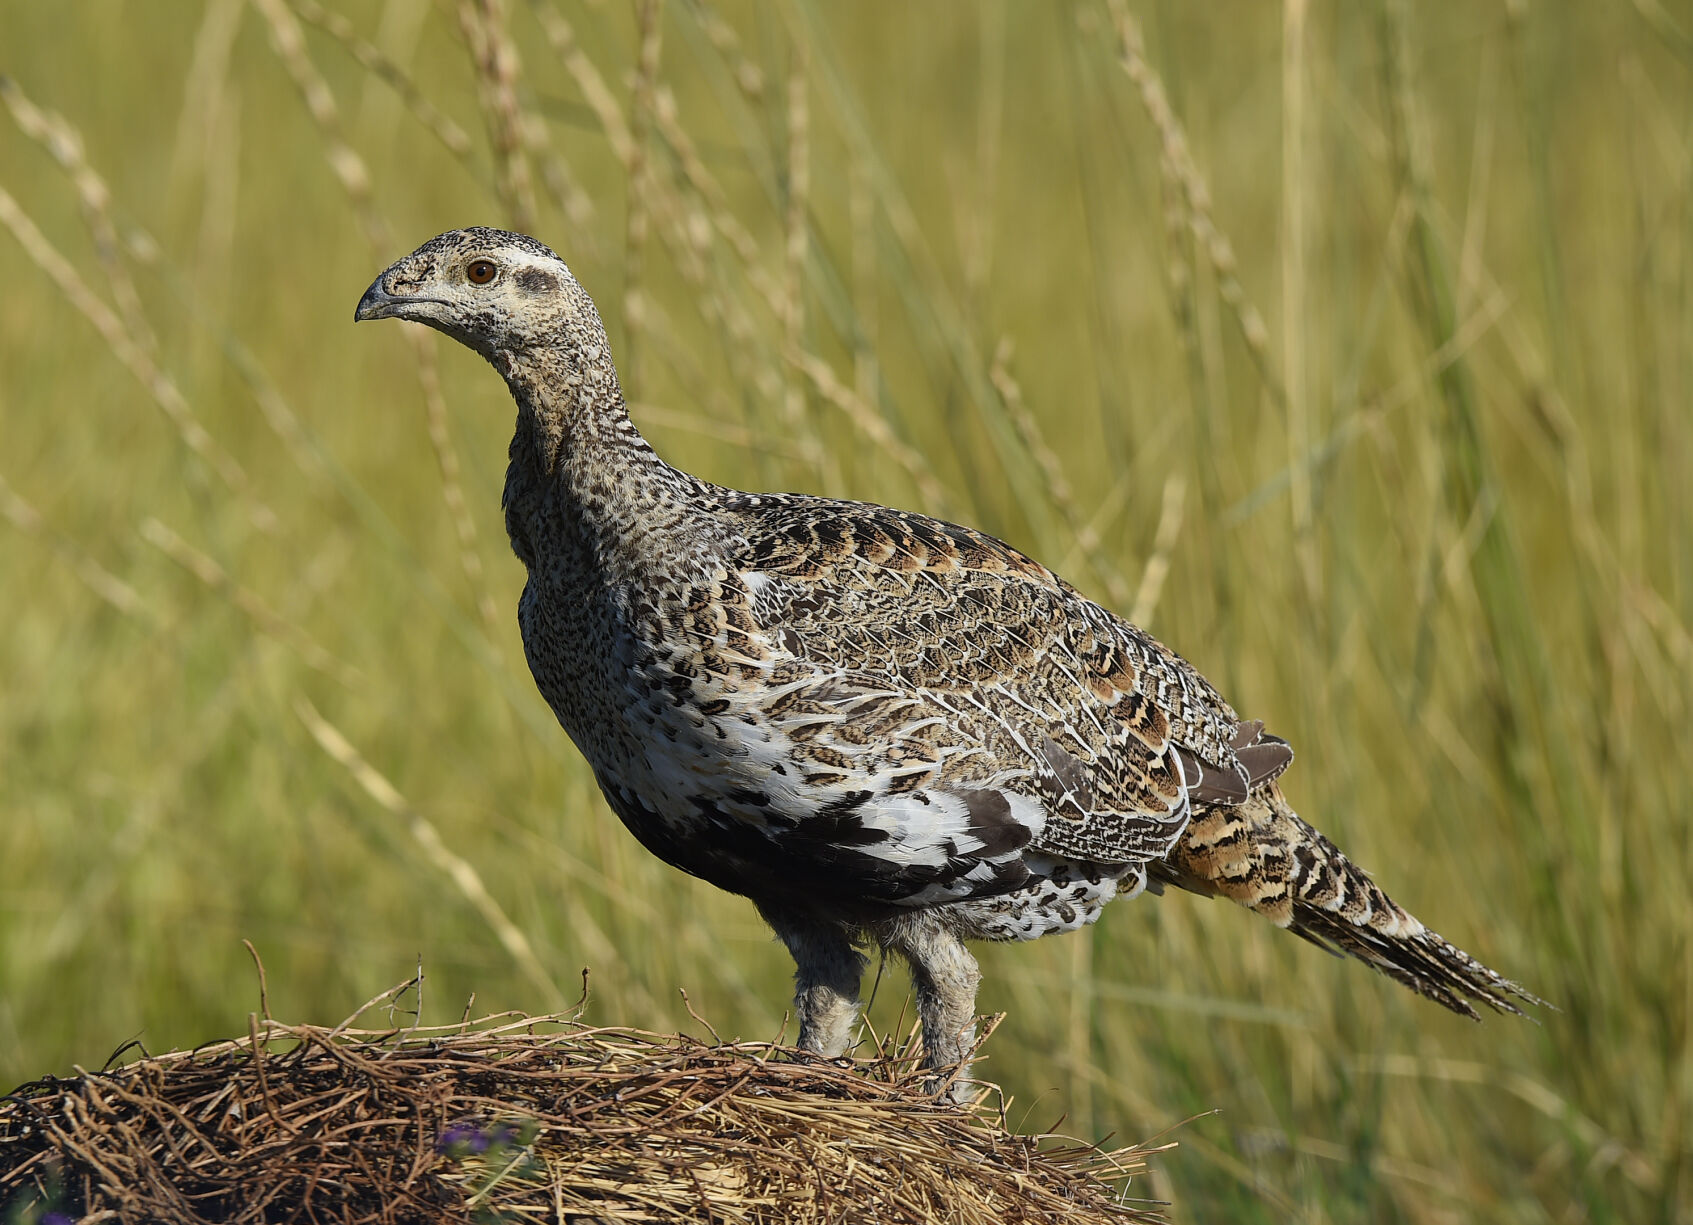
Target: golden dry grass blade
[
  {"x": 1196, "y": 196},
  {"x": 561, "y": 37},
  {"x": 642, "y": 180},
  {"x": 101, "y": 581},
  {"x": 748, "y": 77},
  {"x": 463, "y": 874},
  {"x": 795, "y": 246},
  {"x": 160, "y": 386},
  {"x": 64, "y": 144},
  {"x": 374, "y": 60},
  {"x": 1163, "y": 547},
  {"x": 494, "y": 56},
  {"x": 870, "y": 423},
  {"x": 1297, "y": 171},
  {"x": 250, "y": 605},
  {"x": 1057, "y": 484},
  {"x": 288, "y": 41}
]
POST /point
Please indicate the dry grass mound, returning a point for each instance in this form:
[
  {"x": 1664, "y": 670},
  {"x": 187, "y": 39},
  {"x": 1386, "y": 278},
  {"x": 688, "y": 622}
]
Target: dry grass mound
[{"x": 516, "y": 1118}]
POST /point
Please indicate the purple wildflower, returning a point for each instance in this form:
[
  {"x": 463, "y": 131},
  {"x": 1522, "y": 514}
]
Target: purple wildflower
[{"x": 457, "y": 1134}]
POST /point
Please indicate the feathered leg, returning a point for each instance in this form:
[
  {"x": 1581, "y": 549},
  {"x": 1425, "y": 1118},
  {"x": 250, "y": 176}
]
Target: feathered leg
[
  {"x": 946, "y": 977},
  {"x": 827, "y": 973}
]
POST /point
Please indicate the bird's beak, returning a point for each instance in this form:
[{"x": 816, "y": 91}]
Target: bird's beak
[{"x": 377, "y": 303}]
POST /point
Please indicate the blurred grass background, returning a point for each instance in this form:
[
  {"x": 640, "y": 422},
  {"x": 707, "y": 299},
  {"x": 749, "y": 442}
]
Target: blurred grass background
[{"x": 1348, "y": 346}]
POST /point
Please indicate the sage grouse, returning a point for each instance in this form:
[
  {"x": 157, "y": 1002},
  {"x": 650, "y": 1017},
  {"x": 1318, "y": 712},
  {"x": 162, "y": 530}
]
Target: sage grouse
[{"x": 877, "y": 726}]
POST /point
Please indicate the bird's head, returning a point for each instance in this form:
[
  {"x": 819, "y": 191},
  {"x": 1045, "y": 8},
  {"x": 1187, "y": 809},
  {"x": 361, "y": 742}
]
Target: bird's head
[{"x": 492, "y": 290}]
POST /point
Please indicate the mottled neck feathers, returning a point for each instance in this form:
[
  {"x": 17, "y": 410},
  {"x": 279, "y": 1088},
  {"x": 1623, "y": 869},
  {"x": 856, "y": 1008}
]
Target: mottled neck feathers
[{"x": 580, "y": 467}]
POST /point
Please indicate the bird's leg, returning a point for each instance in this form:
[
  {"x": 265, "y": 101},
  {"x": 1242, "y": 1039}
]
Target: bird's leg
[
  {"x": 827, "y": 973},
  {"x": 946, "y": 978}
]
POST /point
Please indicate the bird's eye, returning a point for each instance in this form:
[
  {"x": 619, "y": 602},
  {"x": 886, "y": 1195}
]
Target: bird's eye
[{"x": 481, "y": 271}]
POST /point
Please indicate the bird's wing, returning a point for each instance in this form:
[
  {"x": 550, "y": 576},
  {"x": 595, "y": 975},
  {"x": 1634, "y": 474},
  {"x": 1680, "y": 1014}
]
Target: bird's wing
[{"x": 968, "y": 701}]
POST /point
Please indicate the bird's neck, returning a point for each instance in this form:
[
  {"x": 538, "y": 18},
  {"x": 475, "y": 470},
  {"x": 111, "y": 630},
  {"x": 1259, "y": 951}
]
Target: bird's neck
[{"x": 583, "y": 480}]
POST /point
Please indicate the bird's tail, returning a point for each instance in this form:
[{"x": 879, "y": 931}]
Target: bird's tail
[{"x": 1263, "y": 855}]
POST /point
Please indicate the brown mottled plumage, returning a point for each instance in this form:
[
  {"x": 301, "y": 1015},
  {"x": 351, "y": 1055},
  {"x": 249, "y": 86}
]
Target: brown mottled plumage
[{"x": 872, "y": 723}]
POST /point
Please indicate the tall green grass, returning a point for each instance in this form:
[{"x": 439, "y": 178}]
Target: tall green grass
[{"x": 1350, "y": 347}]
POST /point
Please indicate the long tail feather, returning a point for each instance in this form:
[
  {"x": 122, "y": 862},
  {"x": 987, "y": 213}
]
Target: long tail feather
[{"x": 1263, "y": 855}]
